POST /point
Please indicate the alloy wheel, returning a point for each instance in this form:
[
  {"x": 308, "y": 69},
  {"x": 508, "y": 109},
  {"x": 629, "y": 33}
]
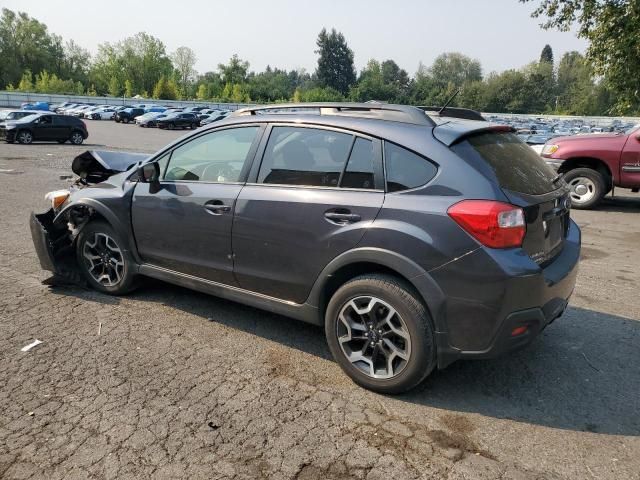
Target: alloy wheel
[
  {"x": 373, "y": 337},
  {"x": 76, "y": 138},
  {"x": 104, "y": 259},
  {"x": 25, "y": 137}
]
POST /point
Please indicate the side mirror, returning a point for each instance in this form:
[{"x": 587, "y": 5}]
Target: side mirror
[{"x": 150, "y": 173}]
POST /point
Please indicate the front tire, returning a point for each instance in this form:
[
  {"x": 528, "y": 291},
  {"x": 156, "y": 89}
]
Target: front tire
[
  {"x": 380, "y": 333},
  {"x": 588, "y": 187},
  {"x": 103, "y": 260},
  {"x": 25, "y": 137}
]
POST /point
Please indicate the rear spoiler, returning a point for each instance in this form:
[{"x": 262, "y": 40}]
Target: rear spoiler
[
  {"x": 456, "y": 131},
  {"x": 454, "y": 112}
]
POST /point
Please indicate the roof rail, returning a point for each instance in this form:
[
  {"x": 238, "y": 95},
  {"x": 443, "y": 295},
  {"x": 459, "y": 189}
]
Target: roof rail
[
  {"x": 454, "y": 112},
  {"x": 379, "y": 111}
]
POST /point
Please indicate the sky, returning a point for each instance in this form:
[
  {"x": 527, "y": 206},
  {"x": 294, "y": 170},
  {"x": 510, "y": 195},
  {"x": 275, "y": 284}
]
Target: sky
[{"x": 499, "y": 33}]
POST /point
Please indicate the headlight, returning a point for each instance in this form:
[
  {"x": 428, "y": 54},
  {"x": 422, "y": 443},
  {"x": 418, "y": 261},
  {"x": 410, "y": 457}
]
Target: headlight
[
  {"x": 57, "y": 197},
  {"x": 550, "y": 149}
]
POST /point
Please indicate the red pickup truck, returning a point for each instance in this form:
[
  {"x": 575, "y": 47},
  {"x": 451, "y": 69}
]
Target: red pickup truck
[{"x": 594, "y": 164}]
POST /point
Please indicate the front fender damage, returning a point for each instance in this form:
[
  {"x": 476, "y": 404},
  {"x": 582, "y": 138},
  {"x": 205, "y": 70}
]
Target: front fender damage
[{"x": 54, "y": 242}]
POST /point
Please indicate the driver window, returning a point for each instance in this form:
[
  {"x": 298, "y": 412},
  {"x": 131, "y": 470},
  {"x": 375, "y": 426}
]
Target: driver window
[{"x": 214, "y": 157}]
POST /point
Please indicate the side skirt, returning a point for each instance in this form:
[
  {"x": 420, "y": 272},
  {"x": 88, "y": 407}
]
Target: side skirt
[{"x": 305, "y": 312}]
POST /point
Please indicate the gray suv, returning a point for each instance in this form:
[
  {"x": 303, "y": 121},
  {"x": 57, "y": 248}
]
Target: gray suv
[{"x": 414, "y": 237}]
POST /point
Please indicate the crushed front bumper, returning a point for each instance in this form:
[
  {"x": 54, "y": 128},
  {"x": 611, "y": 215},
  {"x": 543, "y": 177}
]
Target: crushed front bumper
[{"x": 41, "y": 233}]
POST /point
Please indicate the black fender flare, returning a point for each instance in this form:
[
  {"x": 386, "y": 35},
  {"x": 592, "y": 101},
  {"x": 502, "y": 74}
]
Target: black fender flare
[
  {"x": 414, "y": 273},
  {"x": 109, "y": 216}
]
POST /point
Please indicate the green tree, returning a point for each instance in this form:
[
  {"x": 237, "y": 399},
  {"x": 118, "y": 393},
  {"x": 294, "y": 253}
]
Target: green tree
[
  {"x": 26, "y": 84},
  {"x": 612, "y": 28},
  {"x": 25, "y": 43},
  {"x": 184, "y": 61},
  {"x": 322, "y": 94},
  {"x": 235, "y": 71},
  {"x": 202, "y": 93},
  {"x": 114, "y": 87},
  {"x": 456, "y": 69},
  {"x": 141, "y": 59},
  {"x": 547, "y": 54},
  {"x": 128, "y": 88},
  {"x": 335, "y": 63},
  {"x": 165, "y": 89}
]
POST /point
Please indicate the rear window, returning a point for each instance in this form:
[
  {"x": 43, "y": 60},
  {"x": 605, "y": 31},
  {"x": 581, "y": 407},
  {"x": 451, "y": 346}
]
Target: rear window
[{"x": 513, "y": 164}]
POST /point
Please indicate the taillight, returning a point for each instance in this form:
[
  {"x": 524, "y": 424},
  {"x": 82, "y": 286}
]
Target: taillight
[{"x": 494, "y": 224}]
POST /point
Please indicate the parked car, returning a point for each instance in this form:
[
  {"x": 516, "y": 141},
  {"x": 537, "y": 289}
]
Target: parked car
[
  {"x": 128, "y": 114},
  {"x": 215, "y": 118},
  {"x": 8, "y": 115},
  {"x": 44, "y": 127},
  {"x": 39, "y": 106},
  {"x": 75, "y": 111},
  {"x": 150, "y": 119},
  {"x": 104, "y": 113},
  {"x": 594, "y": 164},
  {"x": 416, "y": 240},
  {"x": 179, "y": 120},
  {"x": 63, "y": 110},
  {"x": 56, "y": 108},
  {"x": 155, "y": 109}
]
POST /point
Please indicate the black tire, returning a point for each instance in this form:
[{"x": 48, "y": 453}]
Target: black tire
[
  {"x": 24, "y": 137},
  {"x": 415, "y": 319},
  {"x": 589, "y": 181},
  {"x": 126, "y": 120},
  {"x": 76, "y": 137},
  {"x": 125, "y": 276},
  {"x": 117, "y": 119},
  {"x": 172, "y": 126}
]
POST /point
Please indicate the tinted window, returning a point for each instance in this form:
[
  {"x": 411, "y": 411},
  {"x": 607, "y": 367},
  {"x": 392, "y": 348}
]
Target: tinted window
[
  {"x": 214, "y": 157},
  {"x": 406, "y": 169},
  {"x": 60, "y": 120},
  {"x": 304, "y": 156},
  {"x": 359, "y": 171},
  {"x": 511, "y": 162}
]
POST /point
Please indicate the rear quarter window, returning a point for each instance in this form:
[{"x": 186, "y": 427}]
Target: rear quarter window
[
  {"x": 508, "y": 160},
  {"x": 405, "y": 169}
]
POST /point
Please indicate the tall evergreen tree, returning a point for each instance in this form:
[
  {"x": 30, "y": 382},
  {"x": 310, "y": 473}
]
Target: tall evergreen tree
[
  {"x": 335, "y": 64},
  {"x": 547, "y": 54}
]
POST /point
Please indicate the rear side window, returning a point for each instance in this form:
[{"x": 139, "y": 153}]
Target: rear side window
[
  {"x": 359, "y": 171},
  {"x": 304, "y": 156},
  {"x": 406, "y": 169},
  {"x": 513, "y": 164}
]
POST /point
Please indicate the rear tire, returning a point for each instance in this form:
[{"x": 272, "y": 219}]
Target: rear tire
[
  {"x": 126, "y": 120},
  {"x": 76, "y": 138},
  {"x": 172, "y": 126},
  {"x": 588, "y": 187},
  {"x": 103, "y": 260},
  {"x": 388, "y": 345}
]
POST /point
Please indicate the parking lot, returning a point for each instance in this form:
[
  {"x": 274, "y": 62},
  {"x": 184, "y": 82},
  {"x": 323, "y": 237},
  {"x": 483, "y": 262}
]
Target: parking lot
[{"x": 170, "y": 383}]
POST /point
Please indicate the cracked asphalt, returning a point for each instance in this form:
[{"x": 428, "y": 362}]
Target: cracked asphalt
[{"x": 167, "y": 383}]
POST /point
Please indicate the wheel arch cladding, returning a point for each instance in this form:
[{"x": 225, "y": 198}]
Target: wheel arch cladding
[{"x": 369, "y": 260}]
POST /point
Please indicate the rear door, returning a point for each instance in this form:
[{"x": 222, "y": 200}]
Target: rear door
[
  {"x": 528, "y": 183},
  {"x": 311, "y": 198}
]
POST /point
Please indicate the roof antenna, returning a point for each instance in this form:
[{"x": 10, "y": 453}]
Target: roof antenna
[{"x": 455, "y": 94}]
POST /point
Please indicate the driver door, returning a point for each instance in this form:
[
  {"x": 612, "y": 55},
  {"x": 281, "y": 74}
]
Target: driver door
[
  {"x": 185, "y": 225},
  {"x": 44, "y": 128}
]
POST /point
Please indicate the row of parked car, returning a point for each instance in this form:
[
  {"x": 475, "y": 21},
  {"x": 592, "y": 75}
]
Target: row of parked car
[{"x": 146, "y": 114}]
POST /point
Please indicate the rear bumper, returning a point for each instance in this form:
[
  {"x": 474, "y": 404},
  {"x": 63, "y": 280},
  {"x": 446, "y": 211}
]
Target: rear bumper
[{"x": 492, "y": 292}]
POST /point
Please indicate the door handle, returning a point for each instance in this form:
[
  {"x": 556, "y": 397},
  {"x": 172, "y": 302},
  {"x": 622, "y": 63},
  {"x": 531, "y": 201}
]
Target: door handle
[
  {"x": 216, "y": 207},
  {"x": 342, "y": 218}
]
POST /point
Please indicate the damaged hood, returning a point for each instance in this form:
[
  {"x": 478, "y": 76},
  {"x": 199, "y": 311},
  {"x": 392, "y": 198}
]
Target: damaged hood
[{"x": 95, "y": 166}]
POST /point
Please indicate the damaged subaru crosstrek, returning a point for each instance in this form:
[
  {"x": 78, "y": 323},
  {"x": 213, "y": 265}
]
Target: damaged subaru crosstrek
[{"x": 414, "y": 237}]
